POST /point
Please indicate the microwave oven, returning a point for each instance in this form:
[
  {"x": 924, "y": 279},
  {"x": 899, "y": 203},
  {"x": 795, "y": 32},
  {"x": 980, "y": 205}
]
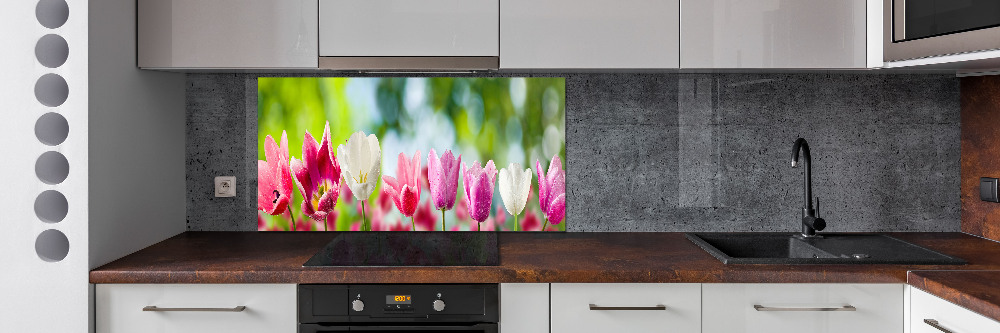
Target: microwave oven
[{"x": 915, "y": 29}]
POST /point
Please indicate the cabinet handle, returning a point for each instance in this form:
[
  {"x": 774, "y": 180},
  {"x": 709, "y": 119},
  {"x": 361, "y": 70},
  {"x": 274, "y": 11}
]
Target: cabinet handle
[
  {"x": 233, "y": 309},
  {"x": 630, "y": 308},
  {"x": 935, "y": 324},
  {"x": 759, "y": 307}
]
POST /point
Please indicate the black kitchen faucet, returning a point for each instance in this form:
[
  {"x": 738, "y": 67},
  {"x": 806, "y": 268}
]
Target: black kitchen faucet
[{"x": 810, "y": 222}]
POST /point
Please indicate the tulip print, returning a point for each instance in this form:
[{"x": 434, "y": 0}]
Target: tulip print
[
  {"x": 425, "y": 218},
  {"x": 515, "y": 184},
  {"x": 328, "y": 174},
  {"x": 405, "y": 191},
  {"x": 531, "y": 222},
  {"x": 361, "y": 162},
  {"x": 479, "y": 185},
  {"x": 495, "y": 222},
  {"x": 317, "y": 176},
  {"x": 552, "y": 191},
  {"x": 462, "y": 209},
  {"x": 442, "y": 176},
  {"x": 274, "y": 178}
]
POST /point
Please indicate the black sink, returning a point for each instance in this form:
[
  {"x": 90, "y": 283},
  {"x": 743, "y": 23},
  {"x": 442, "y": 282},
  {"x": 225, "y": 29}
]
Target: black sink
[{"x": 788, "y": 248}]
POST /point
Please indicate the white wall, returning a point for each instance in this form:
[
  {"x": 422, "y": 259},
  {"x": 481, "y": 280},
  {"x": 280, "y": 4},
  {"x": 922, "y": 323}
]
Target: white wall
[
  {"x": 125, "y": 150},
  {"x": 137, "y": 126},
  {"x": 36, "y": 295}
]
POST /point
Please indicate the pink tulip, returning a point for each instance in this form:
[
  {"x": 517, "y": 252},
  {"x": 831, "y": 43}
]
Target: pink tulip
[
  {"x": 398, "y": 226},
  {"x": 495, "y": 222},
  {"x": 479, "y": 185},
  {"x": 552, "y": 191},
  {"x": 442, "y": 174},
  {"x": 317, "y": 176},
  {"x": 345, "y": 193},
  {"x": 274, "y": 177},
  {"x": 330, "y": 223},
  {"x": 462, "y": 210},
  {"x": 405, "y": 191},
  {"x": 425, "y": 218},
  {"x": 383, "y": 202},
  {"x": 261, "y": 224},
  {"x": 531, "y": 222}
]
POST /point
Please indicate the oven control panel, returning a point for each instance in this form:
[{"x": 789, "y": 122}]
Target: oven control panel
[{"x": 398, "y": 303}]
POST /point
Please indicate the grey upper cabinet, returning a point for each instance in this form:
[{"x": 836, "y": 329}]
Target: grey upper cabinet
[
  {"x": 403, "y": 28},
  {"x": 582, "y": 34},
  {"x": 221, "y": 34},
  {"x": 780, "y": 34},
  {"x": 409, "y": 35}
]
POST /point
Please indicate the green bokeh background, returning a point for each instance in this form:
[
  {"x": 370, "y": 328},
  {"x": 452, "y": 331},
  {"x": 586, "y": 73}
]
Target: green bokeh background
[{"x": 507, "y": 120}]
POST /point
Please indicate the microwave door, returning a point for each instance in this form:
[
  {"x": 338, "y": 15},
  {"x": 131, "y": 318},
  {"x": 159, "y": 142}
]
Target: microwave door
[
  {"x": 914, "y": 29},
  {"x": 916, "y": 19}
]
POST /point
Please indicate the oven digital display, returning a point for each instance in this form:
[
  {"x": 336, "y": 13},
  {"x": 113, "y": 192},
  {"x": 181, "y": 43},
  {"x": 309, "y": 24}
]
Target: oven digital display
[{"x": 397, "y": 299}]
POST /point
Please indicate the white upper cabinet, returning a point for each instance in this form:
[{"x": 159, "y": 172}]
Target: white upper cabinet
[
  {"x": 580, "y": 34},
  {"x": 404, "y": 28},
  {"x": 227, "y": 34},
  {"x": 779, "y": 33}
]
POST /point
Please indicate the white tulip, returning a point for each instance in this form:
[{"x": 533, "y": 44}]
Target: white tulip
[
  {"x": 361, "y": 164},
  {"x": 515, "y": 183}
]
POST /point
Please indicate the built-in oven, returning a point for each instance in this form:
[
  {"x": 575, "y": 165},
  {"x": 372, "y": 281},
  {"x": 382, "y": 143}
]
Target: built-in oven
[
  {"x": 388, "y": 308},
  {"x": 927, "y": 28}
]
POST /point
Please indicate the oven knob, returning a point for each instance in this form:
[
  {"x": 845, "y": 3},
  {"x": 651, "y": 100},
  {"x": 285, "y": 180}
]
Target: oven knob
[
  {"x": 358, "y": 305},
  {"x": 438, "y": 305}
]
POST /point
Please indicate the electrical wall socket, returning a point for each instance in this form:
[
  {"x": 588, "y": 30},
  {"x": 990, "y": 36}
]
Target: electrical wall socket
[{"x": 225, "y": 186}]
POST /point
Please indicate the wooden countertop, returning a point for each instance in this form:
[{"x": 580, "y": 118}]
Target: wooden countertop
[{"x": 277, "y": 257}]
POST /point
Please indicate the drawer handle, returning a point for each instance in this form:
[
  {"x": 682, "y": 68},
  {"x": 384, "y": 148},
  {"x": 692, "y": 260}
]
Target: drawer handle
[
  {"x": 628, "y": 308},
  {"x": 233, "y": 309},
  {"x": 759, "y": 307},
  {"x": 935, "y": 324}
]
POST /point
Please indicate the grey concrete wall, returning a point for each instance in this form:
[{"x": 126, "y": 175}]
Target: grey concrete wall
[{"x": 683, "y": 152}]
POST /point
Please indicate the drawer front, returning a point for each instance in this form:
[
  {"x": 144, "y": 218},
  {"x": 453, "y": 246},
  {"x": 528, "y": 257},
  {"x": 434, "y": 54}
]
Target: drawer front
[
  {"x": 949, "y": 316},
  {"x": 572, "y": 312},
  {"x": 269, "y": 308},
  {"x": 729, "y": 308}
]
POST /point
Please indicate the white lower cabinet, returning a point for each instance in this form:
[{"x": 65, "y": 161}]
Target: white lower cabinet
[
  {"x": 196, "y": 308},
  {"x": 524, "y": 308},
  {"x": 930, "y": 314},
  {"x": 802, "y": 308},
  {"x": 626, "y": 307}
]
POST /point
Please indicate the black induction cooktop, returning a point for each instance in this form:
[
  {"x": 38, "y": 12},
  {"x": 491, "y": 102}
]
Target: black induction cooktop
[{"x": 407, "y": 248}]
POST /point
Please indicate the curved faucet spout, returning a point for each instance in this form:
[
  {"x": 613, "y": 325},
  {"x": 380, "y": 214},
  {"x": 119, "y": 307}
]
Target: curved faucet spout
[
  {"x": 810, "y": 222},
  {"x": 803, "y": 146}
]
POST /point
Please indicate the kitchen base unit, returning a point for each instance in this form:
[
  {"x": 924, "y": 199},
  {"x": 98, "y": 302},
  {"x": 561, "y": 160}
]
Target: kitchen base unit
[
  {"x": 195, "y": 308},
  {"x": 626, "y": 307},
  {"x": 802, "y": 308},
  {"x": 524, "y": 307},
  {"x": 930, "y": 314}
]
